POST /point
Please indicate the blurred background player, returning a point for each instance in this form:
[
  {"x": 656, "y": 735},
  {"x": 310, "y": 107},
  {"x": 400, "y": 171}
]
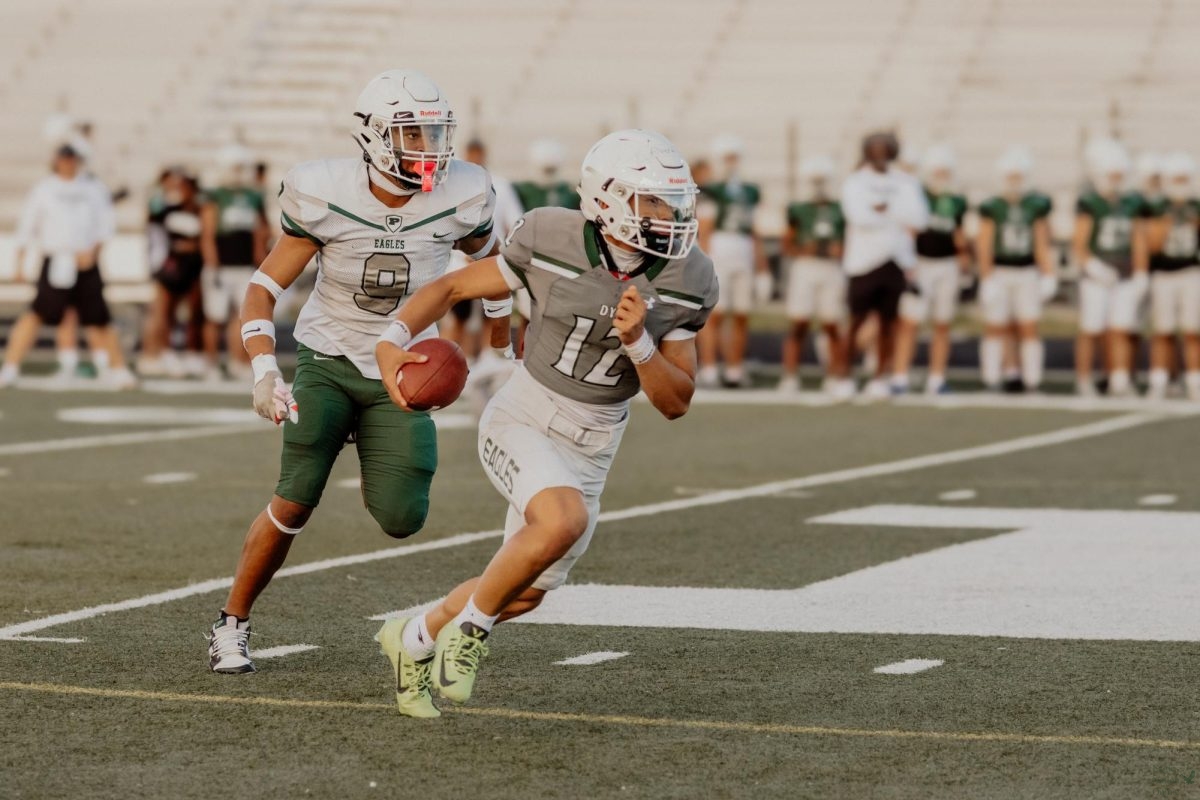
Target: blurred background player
[
  {"x": 547, "y": 188},
  {"x": 67, "y": 222},
  {"x": 816, "y": 285},
  {"x": 942, "y": 257},
  {"x": 1172, "y": 228},
  {"x": 383, "y": 225},
  {"x": 1109, "y": 245},
  {"x": 741, "y": 266},
  {"x": 174, "y": 235},
  {"x": 884, "y": 208},
  {"x": 1017, "y": 273},
  {"x": 234, "y": 243}
]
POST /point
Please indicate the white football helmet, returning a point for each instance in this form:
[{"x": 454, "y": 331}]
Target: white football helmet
[
  {"x": 236, "y": 164},
  {"x": 1148, "y": 166},
  {"x": 546, "y": 155},
  {"x": 1016, "y": 160},
  {"x": 817, "y": 167},
  {"x": 407, "y": 128},
  {"x": 726, "y": 145},
  {"x": 1108, "y": 158},
  {"x": 938, "y": 157},
  {"x": 637, "y": 188},
  {"x": 1178, "y": 172}
]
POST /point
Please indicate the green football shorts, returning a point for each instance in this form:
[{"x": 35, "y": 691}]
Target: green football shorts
[{"x": 397, "y": 449}]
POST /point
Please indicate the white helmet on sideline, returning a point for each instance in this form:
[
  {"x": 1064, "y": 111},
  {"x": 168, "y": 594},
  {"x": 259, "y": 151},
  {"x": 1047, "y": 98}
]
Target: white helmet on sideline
[
  {"x": 407, "y": 128},
  {"x": 546, "y": 155},
  {"x": 236, "y": 164},
  {"x": 726, "y": 145},
  {"x": 1178, "y": 172},
  {"x": 1016, "y": 160},
  {"x": 938, "y": 157},
  {"x": 637, "y": 188},
  {"x": 818, "y": 166}
]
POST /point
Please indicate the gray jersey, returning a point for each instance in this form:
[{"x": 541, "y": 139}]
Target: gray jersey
[
  {"x": 571, "y": 346},
  {"x": 373, "y": 257}
]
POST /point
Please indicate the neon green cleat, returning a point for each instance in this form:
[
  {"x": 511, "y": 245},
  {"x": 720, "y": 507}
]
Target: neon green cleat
[
  {"x": 414, "y": 679},
  {"x": 456, "y": 660}
]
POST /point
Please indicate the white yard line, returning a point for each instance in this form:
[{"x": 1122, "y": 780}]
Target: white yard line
[
  {"x": 1158, "y": 500},
  {"x": 138, "y": 437},
  {"x": 909, "y": 666},
  {"x": 1006, "y": 447},
  {"x": 169, "y": 477},
  {"x": 587, "y": 659},
  {"x": 955, "y": 495},
  {"x": 283, "y": 650}
]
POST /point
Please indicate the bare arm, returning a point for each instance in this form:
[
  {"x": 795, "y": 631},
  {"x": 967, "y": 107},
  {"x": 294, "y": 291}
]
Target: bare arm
[
  {"x": 1080, "y": 250},
  {"x": 984, "y": 254},
  {"x": 286, "y": 261},
  {"x": 431, "y": 302},
  {"x": 1043, "y": 250},
  {"x": 208, "y": 235},
  {"x": 668, "y": 377},
  {"x": 500, "y": 333},
  {"x": 1141, "y": 253},
  {"x": 1157, "y": 231},
  {"x": 962, "y": 249}
]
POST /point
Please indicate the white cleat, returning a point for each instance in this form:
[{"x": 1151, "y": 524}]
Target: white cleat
[
  {"x": 877, "y": 390},
  {"x": 229, "y": 646},
  {"x": 788, "y": 385}
]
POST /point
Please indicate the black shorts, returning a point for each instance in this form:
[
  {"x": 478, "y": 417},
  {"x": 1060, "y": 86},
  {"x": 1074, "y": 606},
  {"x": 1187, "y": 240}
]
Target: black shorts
[
  {"x": 180, "y": 272},
  {"x": 877, "y": 291},
  {"x": 463, "y": 309},
  {"x": 87, "y": 296}
]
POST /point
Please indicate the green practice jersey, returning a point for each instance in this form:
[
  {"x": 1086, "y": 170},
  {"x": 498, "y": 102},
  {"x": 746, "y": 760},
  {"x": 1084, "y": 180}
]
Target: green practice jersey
[
  {"x": 735, "y": 203},
  {"x": 1112, "y": 227},
  {"x": 1013, "y": 241},
  {"x": 946, "y": 212},
  {"x": 817, "y": 222},
  {"x": 559, "y": 194},
  {"x": 1181, "y": 249}
]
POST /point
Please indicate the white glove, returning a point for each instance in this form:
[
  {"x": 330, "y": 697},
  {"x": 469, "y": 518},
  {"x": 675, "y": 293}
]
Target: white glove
[
  {"x": 273, "y": 399},
  {"x": 1139, "y": 282},
  {"x": 1100, "y": 272},
  {"x": 763, "y": 286},
  {"x": 1047, "y": 286}
]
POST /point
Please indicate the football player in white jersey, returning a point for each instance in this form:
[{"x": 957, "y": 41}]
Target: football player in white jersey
[
  {"x": 618, "y": 294},
  {"x": 380, "y": 227}
]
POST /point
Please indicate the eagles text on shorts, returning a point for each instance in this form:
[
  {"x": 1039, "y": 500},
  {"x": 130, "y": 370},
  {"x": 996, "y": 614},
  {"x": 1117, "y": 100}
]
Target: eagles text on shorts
[{"x": 618, "y": 292}]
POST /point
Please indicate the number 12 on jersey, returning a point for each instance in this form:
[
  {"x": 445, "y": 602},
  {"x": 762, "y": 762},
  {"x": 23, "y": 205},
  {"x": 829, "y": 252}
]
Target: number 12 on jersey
[{"x": 601, "y": 373}]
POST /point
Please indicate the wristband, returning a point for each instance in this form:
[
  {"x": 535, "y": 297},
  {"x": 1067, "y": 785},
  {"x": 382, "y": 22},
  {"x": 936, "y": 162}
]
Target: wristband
[
  {"x": 267, "y": 282},
  {"x": 494, "y": 309},
  {"x": 258, "y": 327},
  {"x": 483, "y": 251},
  {"x": 398, "y": 334},
  {"x": 642, "y": 350},
  {"x": 262, "y": 365}
]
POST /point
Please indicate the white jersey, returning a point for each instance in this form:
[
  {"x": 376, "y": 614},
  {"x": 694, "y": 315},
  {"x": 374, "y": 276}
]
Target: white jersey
[{"x": 373, "y": 257}]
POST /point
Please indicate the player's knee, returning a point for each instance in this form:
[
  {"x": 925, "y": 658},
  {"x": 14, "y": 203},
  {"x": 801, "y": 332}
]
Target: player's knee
[
  {"x": 400, "y": 518},
  {"x": 287, "y": 514}
]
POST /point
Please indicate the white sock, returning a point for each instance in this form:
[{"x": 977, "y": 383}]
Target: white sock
[
  {"x": 1192, "y": 381},
  {"x": 416, "y": 639},
  {"x": 68, "y": 360},
  {"x": 900, "y": 380},
  {"x": 1159, "y": 378},
  {"x": 709, "y": 374},
  {"x": 1118, "y": 381},
  {"x": 473, "y": 615},
  {"x": 735, "y": 374},
  {"x": 991, "y": 360},
  {"x": 934, "y": 382},
  {"x": 100, "y": 360},
  {"x": 1032, "y": 356},
  {"x": 9, "y": 372}
]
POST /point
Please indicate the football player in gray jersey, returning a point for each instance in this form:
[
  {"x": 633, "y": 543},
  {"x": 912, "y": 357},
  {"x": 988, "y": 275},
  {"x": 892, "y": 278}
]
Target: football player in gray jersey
[
  {"x": 618, "y": 294},
  {"x": 378, "y": 227}
]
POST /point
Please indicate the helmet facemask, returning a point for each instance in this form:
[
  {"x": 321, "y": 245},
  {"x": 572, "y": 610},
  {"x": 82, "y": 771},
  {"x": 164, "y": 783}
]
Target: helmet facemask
[
  {"x": 661, "y": 222},
  {"x": 415, "y": 152}
]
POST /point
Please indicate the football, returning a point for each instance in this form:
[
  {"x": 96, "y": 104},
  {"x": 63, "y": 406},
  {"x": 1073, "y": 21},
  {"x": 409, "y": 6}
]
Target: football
[{"x": 437, "y": 382}]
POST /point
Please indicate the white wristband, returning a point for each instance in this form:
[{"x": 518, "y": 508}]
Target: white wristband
[
  {"x": 258, "y": 327},
  {"x": 506, "y": 353},
  {"x": 262, "y": 365},
  {"x": 493, "y": 309},
  {"x": 642, "y": 350},
  {"x": 267, "y": 282},
  {"x": 398, "y": 334}
]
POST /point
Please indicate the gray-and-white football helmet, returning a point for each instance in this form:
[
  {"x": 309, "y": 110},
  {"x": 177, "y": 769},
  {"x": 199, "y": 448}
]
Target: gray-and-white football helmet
[{"x": 637, "y": 188}]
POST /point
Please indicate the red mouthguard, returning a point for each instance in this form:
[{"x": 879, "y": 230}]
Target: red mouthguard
[{"x": 427, "y": 169}]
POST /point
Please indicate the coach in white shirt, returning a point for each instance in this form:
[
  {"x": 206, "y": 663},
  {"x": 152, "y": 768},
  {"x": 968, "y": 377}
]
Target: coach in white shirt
[
  {"x": 67, "y": 220},
  {"x": 884, "y": 207}
]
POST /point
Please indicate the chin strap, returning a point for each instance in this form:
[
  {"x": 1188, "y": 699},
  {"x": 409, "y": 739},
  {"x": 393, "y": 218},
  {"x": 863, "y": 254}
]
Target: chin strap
[{"x": 380, "y": 180}]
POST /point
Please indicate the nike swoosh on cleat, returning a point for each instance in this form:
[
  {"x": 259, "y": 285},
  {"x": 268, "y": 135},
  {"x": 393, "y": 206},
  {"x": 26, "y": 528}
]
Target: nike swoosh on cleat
[{"x": 442, "y": 679}]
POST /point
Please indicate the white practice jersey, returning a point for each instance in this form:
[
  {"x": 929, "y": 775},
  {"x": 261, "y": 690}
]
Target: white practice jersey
[{"x": 372, "y": 257}]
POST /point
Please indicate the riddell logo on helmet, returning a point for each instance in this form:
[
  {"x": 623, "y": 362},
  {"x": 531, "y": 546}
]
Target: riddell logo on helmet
[
  {"x": 678, "y": 180},
  {"x": 431, "y": 113}
]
